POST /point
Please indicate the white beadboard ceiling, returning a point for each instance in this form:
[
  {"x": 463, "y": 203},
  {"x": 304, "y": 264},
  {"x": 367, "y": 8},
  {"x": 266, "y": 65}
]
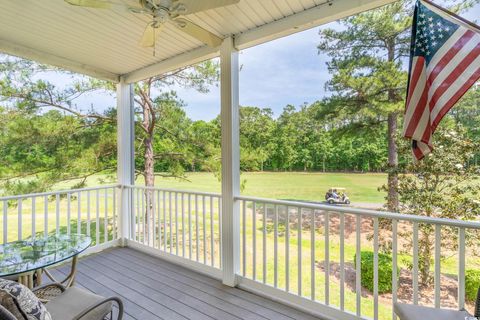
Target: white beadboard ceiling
[{"x": 105, "y": 43}]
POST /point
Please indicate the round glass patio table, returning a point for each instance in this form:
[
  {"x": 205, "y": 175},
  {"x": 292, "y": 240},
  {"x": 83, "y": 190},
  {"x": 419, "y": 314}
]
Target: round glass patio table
[{"x": 26, "y": 259}]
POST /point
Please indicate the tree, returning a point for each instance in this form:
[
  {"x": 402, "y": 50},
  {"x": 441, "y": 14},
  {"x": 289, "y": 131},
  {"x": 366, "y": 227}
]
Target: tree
[
  {"x": 369, "y": 73},
  {"x": 368, "y": 77},
  {"x": 467, "y": 113},
  {"x": 256, "y": 137},
  {"x": 45, "y": 137},
  {"x": 442, "y": 185},
  {"x": 160, "y": 119},
  {"x": 159, "y": 113},
  {"x": 285, "y": 133},
  {"x": 162, "y": 126},
  {"x": 208, "y": 146}
]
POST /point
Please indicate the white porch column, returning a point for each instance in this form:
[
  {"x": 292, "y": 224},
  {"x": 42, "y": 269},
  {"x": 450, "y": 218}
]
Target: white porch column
[
  {"x": 125, "y": 155},
  {"x": 230, "y": 161}
]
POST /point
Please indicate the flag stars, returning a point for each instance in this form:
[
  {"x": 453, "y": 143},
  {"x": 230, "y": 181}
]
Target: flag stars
[{"x": 432, "y": 30}]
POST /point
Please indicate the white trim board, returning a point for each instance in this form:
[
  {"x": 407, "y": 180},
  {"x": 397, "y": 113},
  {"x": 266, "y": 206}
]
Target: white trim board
[
  {"x": 321, "y": 14},
  {"x": 65, "y": 63},
  {"x": 171, "y": 64}
]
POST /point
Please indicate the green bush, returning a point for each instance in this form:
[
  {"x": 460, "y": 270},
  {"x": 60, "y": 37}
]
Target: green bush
[
  {"x": 472, "y": 283},
  {"x": 384, "y": 271}
]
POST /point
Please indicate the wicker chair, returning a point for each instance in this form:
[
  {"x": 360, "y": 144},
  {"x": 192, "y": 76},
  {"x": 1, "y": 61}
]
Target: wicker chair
[{"x": 72, "y": 304}]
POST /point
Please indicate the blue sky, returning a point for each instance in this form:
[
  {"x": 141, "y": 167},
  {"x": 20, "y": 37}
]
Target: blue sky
[{"x": 284, "y": 71}]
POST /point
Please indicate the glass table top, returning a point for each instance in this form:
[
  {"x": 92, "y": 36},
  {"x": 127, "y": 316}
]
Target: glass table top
[{"x": 35, "y": 253}]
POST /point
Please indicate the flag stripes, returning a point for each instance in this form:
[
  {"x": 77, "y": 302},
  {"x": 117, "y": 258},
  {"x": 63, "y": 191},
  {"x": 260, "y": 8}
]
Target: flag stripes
[{"x": 444, "y": 64}]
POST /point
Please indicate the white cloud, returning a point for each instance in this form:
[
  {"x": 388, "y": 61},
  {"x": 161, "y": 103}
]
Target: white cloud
[{"x": 284, "y": 71}]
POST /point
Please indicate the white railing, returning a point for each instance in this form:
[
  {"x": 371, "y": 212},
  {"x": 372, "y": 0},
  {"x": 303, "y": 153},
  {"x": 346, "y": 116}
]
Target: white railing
[
  {"x": 309, "y": 254},
  {"x": 181, "y": 223},
  {"x": 91, "y": 211},
  {"x": 301, "y": 253}
]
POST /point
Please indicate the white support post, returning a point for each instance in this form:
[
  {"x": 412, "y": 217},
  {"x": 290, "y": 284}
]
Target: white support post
[
  {"x": 125, "y": 156},
  {"x": 230, "y": 161}
]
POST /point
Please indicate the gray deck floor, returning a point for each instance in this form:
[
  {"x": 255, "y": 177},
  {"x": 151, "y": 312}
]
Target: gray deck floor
[{"x": 152, "y": 288}]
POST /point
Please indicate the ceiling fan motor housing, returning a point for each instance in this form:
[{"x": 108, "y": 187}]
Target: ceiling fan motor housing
[
  {"x": 154, "y": 5},
  {"x": 160, "y": 10}
]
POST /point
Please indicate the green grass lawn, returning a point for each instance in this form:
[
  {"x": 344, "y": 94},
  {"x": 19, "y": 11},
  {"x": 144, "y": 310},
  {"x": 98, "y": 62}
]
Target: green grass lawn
[
  {"x": 46, "y": 219},
  {"x": 203, "y": 246},
  {"x": 288, "y": 185}
]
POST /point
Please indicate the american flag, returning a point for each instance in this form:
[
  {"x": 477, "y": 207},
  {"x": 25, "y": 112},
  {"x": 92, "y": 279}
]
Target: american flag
[{"x": 444, "y": 64}]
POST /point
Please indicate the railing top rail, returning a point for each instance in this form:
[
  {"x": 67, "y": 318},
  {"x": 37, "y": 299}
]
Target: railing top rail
[
  {"x": 50, "y": 193},
  {"x": 209, "y": 194},
  {"x": 348, "y": 210},
  {"x": 367, "y": 212}
]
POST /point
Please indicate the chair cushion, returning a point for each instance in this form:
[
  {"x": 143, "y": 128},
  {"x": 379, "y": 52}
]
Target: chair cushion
[
  {"x": 21, "y": 302},
  {"x": 74, "y": 301},
  {"x": 414, "y": 312}
]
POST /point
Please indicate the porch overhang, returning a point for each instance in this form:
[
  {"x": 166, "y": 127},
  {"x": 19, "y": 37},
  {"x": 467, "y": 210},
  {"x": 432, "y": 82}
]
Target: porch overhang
[{"x": 104, "y": 44}]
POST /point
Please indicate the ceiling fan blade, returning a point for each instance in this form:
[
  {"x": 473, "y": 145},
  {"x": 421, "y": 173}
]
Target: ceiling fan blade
[
  {"x": 150, "y": 34},
  {"x": 100, "y": 4},
  {"x": 104, "y": 4},
  {"x": 198, "y": 32},
  {"x": 184, "y": 7}
]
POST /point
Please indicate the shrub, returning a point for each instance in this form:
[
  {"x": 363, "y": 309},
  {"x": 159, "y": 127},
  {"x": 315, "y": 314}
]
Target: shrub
[
  {"x": 472, "y": 283},
  {"x": 384, "y": 271}
]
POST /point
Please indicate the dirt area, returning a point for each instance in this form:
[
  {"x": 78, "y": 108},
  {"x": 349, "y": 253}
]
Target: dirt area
[
  {"x": 367, "y": 205},
  {"x": 448, "y": 290},
  {"x": 449, "y": 285}
]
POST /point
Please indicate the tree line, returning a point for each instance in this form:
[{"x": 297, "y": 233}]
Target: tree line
[{"x": 40, "y": 148}]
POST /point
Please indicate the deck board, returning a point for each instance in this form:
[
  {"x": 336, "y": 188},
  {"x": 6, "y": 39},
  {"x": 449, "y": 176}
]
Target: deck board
[{"x": 152, "y": 288}]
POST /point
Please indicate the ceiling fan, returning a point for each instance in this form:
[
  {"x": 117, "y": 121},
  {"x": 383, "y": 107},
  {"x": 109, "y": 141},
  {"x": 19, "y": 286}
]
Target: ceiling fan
[{"x": 163, "y": 12}]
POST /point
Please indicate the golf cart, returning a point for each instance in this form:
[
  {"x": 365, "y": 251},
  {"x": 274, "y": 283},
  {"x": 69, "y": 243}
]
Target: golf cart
[{"x": 337, "y": 195}]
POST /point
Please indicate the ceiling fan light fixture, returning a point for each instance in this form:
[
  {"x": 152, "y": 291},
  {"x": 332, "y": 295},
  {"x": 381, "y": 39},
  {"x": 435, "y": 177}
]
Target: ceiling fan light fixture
[
  {"x": 180, "y": 23},
  {"x": 179, "y": 9}
]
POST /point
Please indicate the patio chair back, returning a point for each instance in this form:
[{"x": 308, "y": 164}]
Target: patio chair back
[
  {"x": 476, "y": 313},
  {"x": 5, "y": 314}
]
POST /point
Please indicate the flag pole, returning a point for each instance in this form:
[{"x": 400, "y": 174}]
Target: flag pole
[{"x": 456, "y": 16}]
